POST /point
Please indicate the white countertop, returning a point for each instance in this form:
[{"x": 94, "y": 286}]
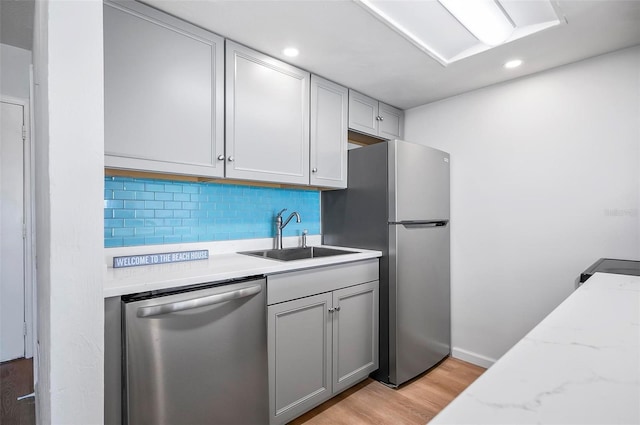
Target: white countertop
[
  {"x": 580, "y": 365},
  {"x": 218, "y": 267}
]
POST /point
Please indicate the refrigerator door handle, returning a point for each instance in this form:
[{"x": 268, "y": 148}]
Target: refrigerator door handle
[{"x": 422, "y": 223}]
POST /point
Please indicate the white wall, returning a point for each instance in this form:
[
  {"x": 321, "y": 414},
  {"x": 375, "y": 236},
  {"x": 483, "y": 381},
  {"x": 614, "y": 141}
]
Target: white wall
[
  {"x": 14, "y": 71},
  {"x": 69, "y": 210},
  {"x": 544, "y": 181}
]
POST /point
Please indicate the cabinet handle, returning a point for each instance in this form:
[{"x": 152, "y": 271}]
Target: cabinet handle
[
  {"x": 314, "y": 170},
  {"x": 220, "y": 157},
  {"x": 337, "y": 308},
  {"x": 230, "y": 159}
]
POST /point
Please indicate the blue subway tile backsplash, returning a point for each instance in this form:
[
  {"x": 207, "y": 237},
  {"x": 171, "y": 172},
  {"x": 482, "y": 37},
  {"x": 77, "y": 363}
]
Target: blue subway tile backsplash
[{"x": 150, "y": 212}]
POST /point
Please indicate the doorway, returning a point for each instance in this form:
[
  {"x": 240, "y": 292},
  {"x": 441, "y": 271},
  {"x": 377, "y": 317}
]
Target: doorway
[
  {"x": 12, "y": 232},
  {"x": 16, "y": 271}
]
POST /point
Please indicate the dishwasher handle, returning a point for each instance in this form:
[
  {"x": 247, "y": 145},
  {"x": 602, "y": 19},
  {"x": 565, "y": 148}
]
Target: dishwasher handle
[{"x": 157, "y": 310}]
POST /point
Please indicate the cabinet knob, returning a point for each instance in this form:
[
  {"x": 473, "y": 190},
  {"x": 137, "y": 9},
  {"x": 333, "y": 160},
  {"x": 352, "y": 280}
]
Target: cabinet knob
[
  {"x": 230, "y": 159},
  {"x": 220, "y": 157},
  {"x": 381, "y": 118},
  {"x": 314, "y": 170},
  {"x": 330, "y": 310},
  {"x": 337, "y": 308}
]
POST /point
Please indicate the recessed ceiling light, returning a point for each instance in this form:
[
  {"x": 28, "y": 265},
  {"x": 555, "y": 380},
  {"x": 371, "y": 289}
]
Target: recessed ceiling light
[
  {"x": 513, "y": 63},
  {"x": 292, "y": 52}
]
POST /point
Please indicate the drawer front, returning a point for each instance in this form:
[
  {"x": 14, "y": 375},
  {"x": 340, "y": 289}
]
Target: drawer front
[{"x": 292, "y": 285}]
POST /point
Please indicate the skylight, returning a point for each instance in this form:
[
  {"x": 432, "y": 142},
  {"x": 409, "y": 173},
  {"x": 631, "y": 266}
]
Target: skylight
[{"x": 450, "y": 30}]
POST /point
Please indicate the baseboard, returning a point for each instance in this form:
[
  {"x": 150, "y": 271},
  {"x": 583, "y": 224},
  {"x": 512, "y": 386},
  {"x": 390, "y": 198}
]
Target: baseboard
[{"x": 471, "y": 357}]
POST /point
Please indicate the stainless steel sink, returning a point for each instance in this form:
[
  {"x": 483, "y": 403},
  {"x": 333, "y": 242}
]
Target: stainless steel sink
[{"x": 289, "y": 254}]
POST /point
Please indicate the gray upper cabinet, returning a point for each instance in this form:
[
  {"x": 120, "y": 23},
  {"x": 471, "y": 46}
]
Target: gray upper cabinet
[
  {"x": 363, "y": 113},
  {"x": 391, "y": 122},
  {"x": 329, "y": 112},
  {"x": 368, "y": 116},
  {"x": 163, "y": 93},
  {"x": 267, "y": 118}
]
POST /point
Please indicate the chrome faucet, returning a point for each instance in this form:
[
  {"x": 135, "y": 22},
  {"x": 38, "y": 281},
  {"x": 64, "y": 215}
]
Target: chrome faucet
[{"x": 280, "y": 225}]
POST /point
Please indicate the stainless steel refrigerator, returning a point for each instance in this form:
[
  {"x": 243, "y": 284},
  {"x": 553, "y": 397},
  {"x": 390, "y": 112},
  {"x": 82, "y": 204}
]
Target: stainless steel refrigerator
[{"x": 397, "y": 201}]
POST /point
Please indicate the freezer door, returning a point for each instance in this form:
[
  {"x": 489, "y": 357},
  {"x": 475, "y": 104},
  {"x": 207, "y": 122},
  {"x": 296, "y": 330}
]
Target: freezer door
[
  {"x": 198, "y": 357},
  {"x": 418, "y": 182},
  {"x": 419, "y": 299}
]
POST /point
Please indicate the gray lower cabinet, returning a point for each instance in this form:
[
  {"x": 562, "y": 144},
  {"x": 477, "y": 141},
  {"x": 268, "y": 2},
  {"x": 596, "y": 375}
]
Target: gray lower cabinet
[
  {"x": 368, "y": 116},
  {"x": 321, "y": 344},
  {"x": 299, "y": 340},
  {"x": 267, "y": 118},
  {"x": 355, "y": 334},
  {"x": 163, "y": 93}
]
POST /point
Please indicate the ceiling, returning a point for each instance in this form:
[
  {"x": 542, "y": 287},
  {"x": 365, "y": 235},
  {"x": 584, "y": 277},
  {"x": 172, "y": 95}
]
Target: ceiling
[{"x": 341, "y": 41}]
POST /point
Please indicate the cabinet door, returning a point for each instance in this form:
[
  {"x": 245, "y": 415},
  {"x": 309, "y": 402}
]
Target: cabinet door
[
  {"x": 363, "y": 113},
  {"x": 355, "y": 334},
  {"x": 163, "y": 93},
  {"x": 299, "y": 339},
  {"x": 267, "y": 118},
  {"x": 329, "y": 103},
  {"x": 391, "y": 124}
]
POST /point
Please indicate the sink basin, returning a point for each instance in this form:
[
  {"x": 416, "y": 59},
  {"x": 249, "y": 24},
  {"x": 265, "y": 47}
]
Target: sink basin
[{"x": 289, "y": 254}]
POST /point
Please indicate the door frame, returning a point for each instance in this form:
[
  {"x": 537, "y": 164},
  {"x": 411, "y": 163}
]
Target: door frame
[{"x": 28, "y": 215}]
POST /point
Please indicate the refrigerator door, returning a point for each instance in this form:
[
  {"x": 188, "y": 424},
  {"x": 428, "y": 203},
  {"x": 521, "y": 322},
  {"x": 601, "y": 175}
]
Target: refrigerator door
[
  {"x": 418, "y": 182},
  {"x": 419, "y": 298}
]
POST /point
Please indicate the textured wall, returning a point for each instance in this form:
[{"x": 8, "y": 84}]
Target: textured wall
[{"x": 148, "y": 212}]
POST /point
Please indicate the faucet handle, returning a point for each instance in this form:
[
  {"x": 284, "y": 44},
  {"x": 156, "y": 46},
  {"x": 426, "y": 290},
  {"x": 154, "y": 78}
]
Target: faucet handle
[
  {"x": 280, "y": 213},
  {"x": 304, "y": 238}
]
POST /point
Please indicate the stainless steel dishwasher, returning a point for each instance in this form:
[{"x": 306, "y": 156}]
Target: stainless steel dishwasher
[{"x": 197, "y": 355}]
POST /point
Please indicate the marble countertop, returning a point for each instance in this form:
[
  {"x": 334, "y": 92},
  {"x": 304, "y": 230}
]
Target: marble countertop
[
  {"x": 218, "y": 267},
  {"x": 580, "y": 365}
]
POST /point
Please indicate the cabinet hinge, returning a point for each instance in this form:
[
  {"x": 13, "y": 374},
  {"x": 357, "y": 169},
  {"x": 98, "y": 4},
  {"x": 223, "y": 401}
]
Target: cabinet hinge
[
  {"x": 24, "y": 133},
  {"x": 24, "y": 231},
  {"x": 24, "y": 328}
]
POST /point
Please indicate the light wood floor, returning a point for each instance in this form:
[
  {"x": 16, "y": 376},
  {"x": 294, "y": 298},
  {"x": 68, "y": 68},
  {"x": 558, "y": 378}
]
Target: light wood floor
[
  {"x": 415, "y": 402},
  {"x": 368, "y": 403}
]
